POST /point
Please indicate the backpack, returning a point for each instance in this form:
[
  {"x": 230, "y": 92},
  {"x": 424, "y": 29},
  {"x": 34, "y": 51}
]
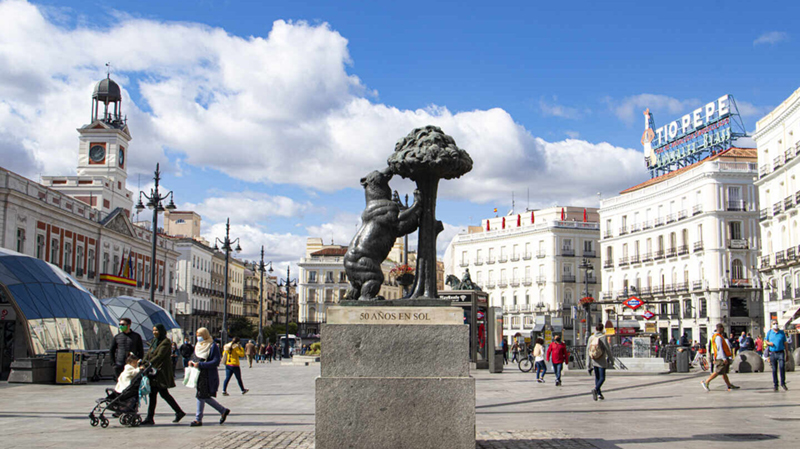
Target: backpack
[
  {"x": 144, "y": 389},
  {"x": 596, "y": 350}
]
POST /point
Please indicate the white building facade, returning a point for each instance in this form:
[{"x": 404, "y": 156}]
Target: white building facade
[
  {"x": 194, "y": 309},
  {"x": 778, "y": 139},
  {"x": 529, "y": 263},
  {"x": 686, "y": 243}
]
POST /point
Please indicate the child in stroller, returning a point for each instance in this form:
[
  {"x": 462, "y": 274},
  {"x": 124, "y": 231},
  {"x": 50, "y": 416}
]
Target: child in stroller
[{"x": 123, "y": 399}]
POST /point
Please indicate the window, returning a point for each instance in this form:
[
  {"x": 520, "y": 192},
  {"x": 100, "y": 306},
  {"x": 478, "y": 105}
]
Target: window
[
  {"x": 20, "y": 240},
  {"x": 79, "y": 259},
  {"x": 67, "y": 257},
  {"x": 463, "y": 258},
  {"x": 703, "y": 308},
  {"x": 40, "y": 247},
  {"x": 180, "y": 221},
  {"x": 737, "y": 269},
  {"x": 54, "y": 259},
  {"x": 312, "y": 276},
  {"x": 735, "y": 228},
  {"x": 567, "y": 244},
  {"x": 587, "y": 246}
]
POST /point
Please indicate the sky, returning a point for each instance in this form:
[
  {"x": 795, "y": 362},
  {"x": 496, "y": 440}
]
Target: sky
[{"x": 269, "y": 113}]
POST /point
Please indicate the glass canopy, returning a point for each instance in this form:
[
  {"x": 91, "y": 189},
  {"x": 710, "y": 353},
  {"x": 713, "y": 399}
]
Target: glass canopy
[{"x": 143, "y": 315}]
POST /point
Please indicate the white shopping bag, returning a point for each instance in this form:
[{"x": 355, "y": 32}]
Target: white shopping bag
[{"x": 190, "y": 375}]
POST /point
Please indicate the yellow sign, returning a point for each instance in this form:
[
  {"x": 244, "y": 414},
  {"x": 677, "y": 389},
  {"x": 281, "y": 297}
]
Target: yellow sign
[
  {"x": 650, "y": 328},
  {"x": 64, "y": 368},
  {"x": 611, "y": 331},
  {"x": 548, "y": 336}
]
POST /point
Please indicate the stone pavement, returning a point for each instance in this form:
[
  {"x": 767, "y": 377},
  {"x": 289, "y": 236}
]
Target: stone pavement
[{"x": 513, "y": 411}]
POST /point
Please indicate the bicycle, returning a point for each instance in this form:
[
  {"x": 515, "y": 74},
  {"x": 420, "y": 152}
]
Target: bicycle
[
  {"x": 701, "y": 361},
  {"x": 526, "y": 364}
]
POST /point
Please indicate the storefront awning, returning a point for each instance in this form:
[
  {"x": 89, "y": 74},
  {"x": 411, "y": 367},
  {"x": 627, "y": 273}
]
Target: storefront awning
[
  {"x": 626, "y": 323},
  {"x": 538, "y": 327},
  {"x": 789, "y": 317}
]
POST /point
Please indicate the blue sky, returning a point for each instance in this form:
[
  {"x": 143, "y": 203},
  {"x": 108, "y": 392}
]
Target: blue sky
[{"x": 270, "y": 112}]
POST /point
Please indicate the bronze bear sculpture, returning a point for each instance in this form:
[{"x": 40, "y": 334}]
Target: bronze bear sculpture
[{"x": 384, "y": 220}]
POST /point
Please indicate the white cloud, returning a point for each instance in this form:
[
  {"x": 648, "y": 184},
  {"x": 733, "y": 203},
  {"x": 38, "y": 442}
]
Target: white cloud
[
  {"x": 771, "y": 38},
  {"x": 750, "y": 110},
  {"x": 556, "y": 110},
  {"x": 247, "y": 207},
  {"x": 339, "y": 231},
  {"x": 278, "y": 248},
  {"x": 630, "y": 109},
  {"x": 572, "y": 134},
  {"x": 279, "y": 109}
]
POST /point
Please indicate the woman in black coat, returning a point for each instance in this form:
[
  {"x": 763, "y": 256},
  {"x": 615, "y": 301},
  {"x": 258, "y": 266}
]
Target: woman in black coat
[
  {"x": 160, "y": 357},
  {"x": 206, "y": 358}
]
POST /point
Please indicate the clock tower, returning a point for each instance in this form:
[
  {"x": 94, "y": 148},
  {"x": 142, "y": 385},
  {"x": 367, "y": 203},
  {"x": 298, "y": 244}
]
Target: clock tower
[{"x": 102, "y": 155}]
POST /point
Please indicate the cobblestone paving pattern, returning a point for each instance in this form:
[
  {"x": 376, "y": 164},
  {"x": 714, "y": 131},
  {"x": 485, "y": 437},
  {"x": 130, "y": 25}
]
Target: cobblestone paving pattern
[{"x": 305, "y": 440}]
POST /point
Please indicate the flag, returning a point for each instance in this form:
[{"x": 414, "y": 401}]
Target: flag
[
  {"x": 122, "y": 265},
  {"x": 519, "y": 220},
  {"x": 504, "y": 222},
  {"x": 495, "y": 210},
  {"x": 533, "y": 219},
  {"x": 562, "y": 214},
  {"x": 584, "y": 215}
]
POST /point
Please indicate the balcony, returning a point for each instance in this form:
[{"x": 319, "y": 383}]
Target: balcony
[
  {"x": 567, "y": 252},
  {"x": 79, "y": 272},
  {"x": 777, "y": 208},
  {"x": 763, "y": 171},
  {"x": 608, "y": 264},
  {"x": 623, "y": 230},
  {"x": 490, "y": 284},
  {"x": 787, "y": 293},
  {"x": 479, "y": 261},
  {"x": 541, "y": 254},
  {"x": 527, "y": 256},
  {"x": 527, "y": 281},
  {"x": 788, "y": 202},
  {"x": 623, "y": 261},
  {"x": 738, "y": 244},
  {"x": 683, "y": 214},
  {"x": 647, "y": 225},
  {"x": 515, "y": 282},
  {"x": 741, "y": 283},
  {"x": 659, "y": 255},
  {"x": 697, "y": 209},
  {"x": 791, "y": 254},
  {"x": 570, "y": 278},
  {"x": 91, "y": 275},
  {"x": 490, "y": 260},
  {"x": 789, "y": 154},
  {"x": 683, "y": 250},
  {"x": 659, "y": 222},
  {"x": 591, "y": 280},
  {"x": 672, "y": 218},
  {"x": 589, "y": 253},
  {"x": 764, "y": 262},
  {"x": 682, "y": 287},
  {"x": 541, "y": 280},
  {"x": 697, "y": 285},
  {"x": 658, "y": 290},
  {"x": 777, "y": 162},
  {"x": 503, "y": 259},
  {"x": 736, "y": 205},
  {"x": 463, "y": 264},
  {"x": 698, "y": 246},
  {"x": 797, "y": 198},
  {"x": 635, "y": 259},
  {"x": 502, "y": 283},
  {"x": 636, "y": 228},
  {"x": 779, "y": 258},
  {"x": 763, "y": 214},
  {"x": 647, "y": 257},
  {"x": 645, "y": 291},
  {"x": 672, "y": 252},
  {"x": 515, "y": 257},
  {"x": 608, "y": 234}
]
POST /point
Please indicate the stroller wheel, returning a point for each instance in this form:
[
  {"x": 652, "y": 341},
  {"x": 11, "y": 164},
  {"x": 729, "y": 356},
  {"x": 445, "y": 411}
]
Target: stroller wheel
[
  {"x": 104, "y": 422},
  {"x": 124, "y": 420},
  {"x": 136, "y": 420},
  {"x": 93, "y": 420}
]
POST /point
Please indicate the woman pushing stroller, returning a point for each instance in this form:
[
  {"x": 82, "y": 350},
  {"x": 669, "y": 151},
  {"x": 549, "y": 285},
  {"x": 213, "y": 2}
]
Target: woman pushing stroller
[{"x": 206, "y": 358}]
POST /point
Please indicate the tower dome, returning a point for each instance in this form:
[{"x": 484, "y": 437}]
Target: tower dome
[{"x": 107, "y": 91}]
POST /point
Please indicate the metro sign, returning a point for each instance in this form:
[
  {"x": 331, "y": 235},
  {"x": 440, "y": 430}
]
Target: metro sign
[
  {"x": 634, "y": 302},
  {"x": 648, "y": 314}
]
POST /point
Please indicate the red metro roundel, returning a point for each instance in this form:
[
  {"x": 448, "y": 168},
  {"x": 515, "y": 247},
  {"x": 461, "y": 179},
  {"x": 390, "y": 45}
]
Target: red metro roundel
[
  {"x": 634, "y": 302},
  {"x": 648, "y": 314}
]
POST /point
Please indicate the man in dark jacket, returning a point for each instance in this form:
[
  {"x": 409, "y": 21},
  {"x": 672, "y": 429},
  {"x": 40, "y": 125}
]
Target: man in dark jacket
[
  {"x": 125, "y": 342},
  {"x": 186, "y": 351}
]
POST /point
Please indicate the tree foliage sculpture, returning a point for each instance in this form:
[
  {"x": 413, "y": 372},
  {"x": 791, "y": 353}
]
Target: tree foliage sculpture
[{"x": 425, "y": 156}]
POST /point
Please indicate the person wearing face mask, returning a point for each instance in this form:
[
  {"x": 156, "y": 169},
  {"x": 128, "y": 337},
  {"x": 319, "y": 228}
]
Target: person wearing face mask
[
  {"x": 776, "y": 343},
  {"x": 206, "y": 358},
  {"x": 160, "y": 357},
  {"x": 125, "y": 343}
]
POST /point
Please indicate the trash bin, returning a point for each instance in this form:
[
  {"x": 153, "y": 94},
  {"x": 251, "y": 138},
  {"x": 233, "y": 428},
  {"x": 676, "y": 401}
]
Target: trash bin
[
  {"x": 70, "y": 367},
  {"x": 682, "y": 360}
]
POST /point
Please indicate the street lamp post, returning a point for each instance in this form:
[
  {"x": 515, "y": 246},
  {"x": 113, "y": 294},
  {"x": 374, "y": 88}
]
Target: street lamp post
[
  {"x": 154, "y": 203},
  {"x": 288, "y": 283},
  {"x": 588, "y": 269},
  {"x": 262, "y": 268},
  {"x": 227, "y": 244}
]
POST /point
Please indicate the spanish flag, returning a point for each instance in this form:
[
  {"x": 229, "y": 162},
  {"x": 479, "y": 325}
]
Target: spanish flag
[{"x": 495, "y": 210}]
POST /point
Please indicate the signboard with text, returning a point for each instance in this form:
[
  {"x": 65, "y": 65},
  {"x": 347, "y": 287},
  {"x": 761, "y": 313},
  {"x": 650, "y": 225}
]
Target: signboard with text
[{"x": 634, "y": 302}]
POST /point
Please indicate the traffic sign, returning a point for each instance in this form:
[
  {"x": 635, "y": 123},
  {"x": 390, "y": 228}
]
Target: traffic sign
[
  {"x": 648, "y": 314},
  {"x": 634, "y": 302},
  {"x": 480, "y": 314}
]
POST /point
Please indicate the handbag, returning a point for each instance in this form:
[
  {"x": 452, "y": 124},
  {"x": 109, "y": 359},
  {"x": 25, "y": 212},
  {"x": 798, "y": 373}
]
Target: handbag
[{"x": 190, "y": 375}]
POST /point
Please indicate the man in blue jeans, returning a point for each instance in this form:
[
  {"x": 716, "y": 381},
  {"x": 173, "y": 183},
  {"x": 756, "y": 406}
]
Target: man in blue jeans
[
  {"x": 598, "y": 359},
  {"x": 775, "y": 341}
]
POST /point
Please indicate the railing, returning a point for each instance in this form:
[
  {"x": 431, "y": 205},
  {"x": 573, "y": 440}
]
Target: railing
[
  {"x": 91, "y": 275},
  {"x": 788, "y": 202},
  {"x": 577, "y": 355},
  {"x": 698, "y": 246},
  {"x": 503, "y": 259},
  {"x": 568, "y": 278},
  {"x": 490, "y": 260},
  {"x": 479, "y": 261},
  {"x": 741, "y": 283},
  {"x": 672, "y": 252},
  {"x": 671, "y": 218},
  {"x": 789, "y": 154},
  {"x": 515, "y": 282},
  {"x": 464, "y": 263},
  {"x": 791, "y": 254},
  {"x": 591, "y": 280},
  {"x": 608, "y": 234},
  {"x": 647, "y": 257},
  {"x": 79, "y": 272},
  {"x": 490, "y": 284},
  {"x": 683, "y": 250},
  {"x": 659, "y": 254},
  {"x": 589, "y": 253},
  {"x": 787, "y": 293},
  {"x": 779, "y": 258},
  {"x": 540, "y": 254},
  {"x": 763, "y": 171},
  {"x": 736, "y": 205},
  {"x": 623, "y": 230},
  {"x": 502, "y": 283},
  {"x": 697, "y": 209},
  {"x": 683, "y": 214},
  {"x": 659, "y": 222},
  {"x": 541, "y": 280},
  {"x": 682, "y": 287},
  {"x": 777, "y": 208},
  {"x": 764, "y": 262},
  {"x": 737, "y": 244},
  {"x": 658, "y": 290},
  {"x": 777, "y": 162},
  {"x": 569, "y": 252},
  {"x": 527, "y": 281},
  {"x": 645, "y": 291},
  {"x": 647, "y": 225},
  {"x": 527, "y": 256},
  {"x": 697, "y": 285},
  {"x": 515, "y": 257},
  {"x": 608, "y": 264},
  {"x": 623, "y": 261},
  {"x": 763, "y": 214},
  {"x": 636, "y": 228},
  {"x": 635, "y": 259}
]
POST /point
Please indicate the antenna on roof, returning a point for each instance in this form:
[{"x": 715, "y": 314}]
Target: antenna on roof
[{"x": 108, "y": 70}]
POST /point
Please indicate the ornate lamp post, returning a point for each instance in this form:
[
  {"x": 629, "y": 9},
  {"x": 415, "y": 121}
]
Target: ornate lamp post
[
  {"x": 288, "y": 283},
  {"x": 587, "y": 304},
  {"x": 262, "y": 267},
  {"x": 154, "y": 203},
  {"x": 227, "y": 246}
]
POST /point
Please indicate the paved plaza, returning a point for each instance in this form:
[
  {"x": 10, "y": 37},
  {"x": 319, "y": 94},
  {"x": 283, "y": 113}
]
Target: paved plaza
[{"x": 513, "y": 411}]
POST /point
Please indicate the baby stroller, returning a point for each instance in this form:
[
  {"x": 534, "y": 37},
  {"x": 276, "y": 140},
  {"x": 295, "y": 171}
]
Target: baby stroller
[{"x": 125, "y": 404}]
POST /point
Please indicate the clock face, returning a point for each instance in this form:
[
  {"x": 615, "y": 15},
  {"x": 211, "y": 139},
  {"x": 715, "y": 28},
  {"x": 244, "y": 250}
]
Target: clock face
[
  {"x": 121, "y": 157},
  {"x": 97, "y": 153}
]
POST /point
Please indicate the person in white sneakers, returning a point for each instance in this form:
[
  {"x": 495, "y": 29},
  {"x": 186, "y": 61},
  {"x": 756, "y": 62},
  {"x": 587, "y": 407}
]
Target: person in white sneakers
[
  {"x": 598, "y": 359},
  {"x": 721, "y": 354}
]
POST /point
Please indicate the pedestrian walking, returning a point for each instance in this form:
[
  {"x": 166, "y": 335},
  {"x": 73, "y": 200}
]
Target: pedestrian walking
[
  {"x": 262, "y": 353},
  {"x": 760, "y": 346},
  {"x": 160, "y": 357},
  {"x": 206, "y": 358},
  {"x": 776, "y": 344},
  {"x": 734, "y": 343},
  {"x": 557, "y": 355},
  {"x": 175, "y": 354},
  {"x": 505, "y": 351},
  {"x": 722, "y": 354},
  {"x": 515, "y": 352},
  {"x": 538, "y": 360},
  {"x": 250, "y": 351},
  {"x": 269, "y": 353},
  {"x": 186, "y": 351},
  {"x": 232, "y": 353},
  {"x": 598, "y": 359},
  {"x": 126, "y": 342},
  {"x": 748, "y": 344}
]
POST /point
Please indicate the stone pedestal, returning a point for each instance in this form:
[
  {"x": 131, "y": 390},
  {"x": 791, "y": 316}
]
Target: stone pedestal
[{"x": 395, "y": 377}]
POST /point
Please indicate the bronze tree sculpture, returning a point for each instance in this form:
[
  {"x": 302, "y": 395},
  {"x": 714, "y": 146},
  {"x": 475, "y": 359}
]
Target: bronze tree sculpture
[{"x": 425, "y": 156}]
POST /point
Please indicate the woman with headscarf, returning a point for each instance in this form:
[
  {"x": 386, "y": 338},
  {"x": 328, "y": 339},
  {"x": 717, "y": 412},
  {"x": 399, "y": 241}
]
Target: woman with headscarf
[
  {"x": 160, "y": 357},
  {"x": 206, "y": 358}
]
